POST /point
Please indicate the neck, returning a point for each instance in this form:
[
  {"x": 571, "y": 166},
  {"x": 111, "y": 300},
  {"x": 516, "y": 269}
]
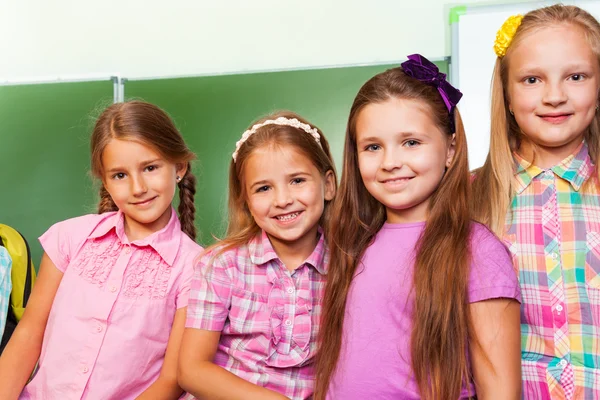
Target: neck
[
  {"x": 135, "y": 230},
  {"x": 293, "y": 254},
  {"x": 547, "y": 157}
]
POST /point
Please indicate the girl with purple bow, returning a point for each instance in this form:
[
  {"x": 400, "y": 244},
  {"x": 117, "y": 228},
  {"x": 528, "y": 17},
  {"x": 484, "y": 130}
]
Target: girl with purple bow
[{"x": 420, "y": 302}]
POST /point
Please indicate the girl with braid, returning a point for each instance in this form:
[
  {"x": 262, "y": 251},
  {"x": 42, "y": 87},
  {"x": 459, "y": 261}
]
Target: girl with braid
[{"x": 107, "y": 313}]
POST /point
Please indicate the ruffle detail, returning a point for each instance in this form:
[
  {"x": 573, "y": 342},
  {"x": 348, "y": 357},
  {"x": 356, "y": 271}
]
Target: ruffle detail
[
  {"x": 97, "y": 258},
  {"x": 147, "y": 276},
  {"x": 289, "y": 344}
]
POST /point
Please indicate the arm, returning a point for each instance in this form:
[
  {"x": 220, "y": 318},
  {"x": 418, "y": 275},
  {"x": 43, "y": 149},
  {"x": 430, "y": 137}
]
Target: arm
[
  {"x": 23, "y": 349},
  {"x": 496, "y": 359},
  {"x": 166, "y": 386},
  {"x": 202, "y": 378},
  {"x": 5, "y": 287}
]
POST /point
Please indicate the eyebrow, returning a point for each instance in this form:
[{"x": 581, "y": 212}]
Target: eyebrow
[
  {"x": 402, "y": 135},
  {"x": 534, "y": 69},
  {"x": 290, "y": 176},
  {"x": 143, "y": 163}
]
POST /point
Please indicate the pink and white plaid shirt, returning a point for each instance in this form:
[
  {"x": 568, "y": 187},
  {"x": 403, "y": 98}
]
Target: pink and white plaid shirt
[
  {"x": 553, "y": 232},
  {"x": 267, "y": 315}
]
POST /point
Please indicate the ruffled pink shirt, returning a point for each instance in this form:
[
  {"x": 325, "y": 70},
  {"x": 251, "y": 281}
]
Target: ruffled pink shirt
[{"x": 110, "y": 321}]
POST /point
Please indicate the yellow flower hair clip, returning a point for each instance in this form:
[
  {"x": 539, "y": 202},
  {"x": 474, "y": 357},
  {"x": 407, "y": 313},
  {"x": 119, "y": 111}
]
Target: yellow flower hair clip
[{"x": 505, "y": 34}]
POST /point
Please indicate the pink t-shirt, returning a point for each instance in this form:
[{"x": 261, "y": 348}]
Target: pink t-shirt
[
  {"x": 375, "y": 356},
  {"x": 110, "y": 321}
]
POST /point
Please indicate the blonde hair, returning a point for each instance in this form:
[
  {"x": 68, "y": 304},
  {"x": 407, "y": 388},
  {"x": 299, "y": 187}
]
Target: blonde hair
[
  {"x": 241, "y": 227},
  {"x": 494, "y": 185}
]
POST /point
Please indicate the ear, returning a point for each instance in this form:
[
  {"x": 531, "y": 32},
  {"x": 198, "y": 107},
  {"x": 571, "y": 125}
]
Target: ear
[
  {"x": 451, "y": 150},
  {"x": 181, "y": 169},
  {"x": 330, "y": 185}
]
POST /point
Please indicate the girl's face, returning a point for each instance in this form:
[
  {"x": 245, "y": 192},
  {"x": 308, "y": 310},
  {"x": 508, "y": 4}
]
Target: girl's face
[
  {"x": 286, "y": 195},
  {"x": 142, "y": 185},
  {"x": 553, "y": 81},
  {"x": 402, "y": 156}
]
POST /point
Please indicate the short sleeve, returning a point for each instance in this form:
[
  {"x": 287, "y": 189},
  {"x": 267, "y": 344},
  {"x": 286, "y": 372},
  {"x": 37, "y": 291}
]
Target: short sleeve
[
  {"x": 187, "y": 274},
  {"x": 5, "y": 287},
  {"x": 492, "y": 273},
  {"x": 64, "y": 238},
  {"x": 210, "y": 293}
]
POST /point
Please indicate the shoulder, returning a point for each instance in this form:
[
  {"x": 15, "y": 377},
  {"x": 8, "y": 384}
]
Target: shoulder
[
  {"x": 189, "y": 248},
  {"x": 80, "y": 226},
  {"x": 492, "y": 273}
]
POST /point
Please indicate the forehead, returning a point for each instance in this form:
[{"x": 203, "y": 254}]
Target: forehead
[
  {"x": 395, "y": 116},
  {"x": 273, "y": 161},
  {"x": 119, "y": 151},
  {"x": 552, "y": 47}
]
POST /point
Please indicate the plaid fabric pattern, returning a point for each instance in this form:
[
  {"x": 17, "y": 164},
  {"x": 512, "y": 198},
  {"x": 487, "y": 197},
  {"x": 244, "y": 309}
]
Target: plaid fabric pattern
[
  {"x": 553, "y": 232},
  {"x": 5, "y": 287},
  {"x": 267, "y": 315}
]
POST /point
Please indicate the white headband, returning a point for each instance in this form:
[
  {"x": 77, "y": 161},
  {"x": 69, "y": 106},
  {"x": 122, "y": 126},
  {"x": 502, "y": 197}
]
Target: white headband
[{"x": 279, "y": 121}]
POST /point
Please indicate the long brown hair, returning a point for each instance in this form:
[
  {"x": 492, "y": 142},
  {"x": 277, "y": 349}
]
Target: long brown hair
[
  {"x": 147, "y": 124},
  {"x": 241, "y": 227},
  {"x": 494, "y": 185},
  {"x": 441, "y": 332}
]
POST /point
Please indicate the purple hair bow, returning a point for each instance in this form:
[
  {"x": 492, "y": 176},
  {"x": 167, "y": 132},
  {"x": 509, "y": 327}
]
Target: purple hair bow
[{"x": 427, "y": 72}]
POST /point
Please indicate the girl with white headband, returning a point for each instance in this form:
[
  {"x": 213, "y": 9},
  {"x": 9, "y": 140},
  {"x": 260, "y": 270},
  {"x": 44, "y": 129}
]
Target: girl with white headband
[{"x": 255, "y": 302}]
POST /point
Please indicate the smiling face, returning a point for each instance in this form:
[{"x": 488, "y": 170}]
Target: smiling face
[
  {"x": 286, "y": 196},
  {"x": 402, "y": 156},
  {"x": 553, "y": 79},
  {"x": 142, "y": 185}
]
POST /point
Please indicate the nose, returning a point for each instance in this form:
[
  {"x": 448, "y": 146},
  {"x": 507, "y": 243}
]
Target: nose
[
  {"x": 283, "y": 197},
  {"x": 138, "y": 186},
  {"x": 391, "y": 160},
  {"x": 554, "y": 93}
]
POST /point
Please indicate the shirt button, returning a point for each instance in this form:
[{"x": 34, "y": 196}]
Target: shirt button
[
  {"x": 113, "y": 289},
  {"x": 554, "y": 256},
  {"x": 99, "y": 328},
  {"x": 559, "y": 308},
  {"x": 288, "y": 322},
  {"x": 290, "y": 290},
  {"x": 128, "y": 250},
  {"x": 84, "y": 370},
  {"x": 563, "y": 363}
]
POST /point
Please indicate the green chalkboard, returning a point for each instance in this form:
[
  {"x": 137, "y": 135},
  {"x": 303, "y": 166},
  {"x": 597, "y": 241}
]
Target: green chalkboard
[
  {"x": 44, "y": 135},
  {"x": 44, "y": 154},
  {"x": 213, "y": 112}
]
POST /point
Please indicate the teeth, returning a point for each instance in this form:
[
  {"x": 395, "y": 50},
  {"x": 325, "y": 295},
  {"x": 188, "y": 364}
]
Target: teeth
[{"x": 287, "y": 217}]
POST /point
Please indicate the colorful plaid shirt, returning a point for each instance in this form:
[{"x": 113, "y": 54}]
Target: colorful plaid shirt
[
  {"x": 553, "y": 232},
  {"x": 267, "y": 315},
  {"x": 5, "y": 287}
]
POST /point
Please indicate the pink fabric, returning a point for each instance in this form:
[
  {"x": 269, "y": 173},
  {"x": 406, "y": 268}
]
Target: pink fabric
[
  {"x": 111, "y": 318},
  {"x": 375, "y": 358},
  {"x": 268, "y": 316}
]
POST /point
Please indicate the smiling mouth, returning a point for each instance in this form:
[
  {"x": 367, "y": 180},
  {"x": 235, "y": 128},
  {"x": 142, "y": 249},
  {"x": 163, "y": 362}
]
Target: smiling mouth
[
  {"x": 555, "y": 118},
  {"x": 396, "y": 180},
  {"x": 143, "y": 203},
  {"x": 288, "y": 217}
]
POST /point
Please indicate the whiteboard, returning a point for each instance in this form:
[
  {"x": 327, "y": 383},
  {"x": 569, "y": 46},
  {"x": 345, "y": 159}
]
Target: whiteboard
[{"x": 472, "y": 63}]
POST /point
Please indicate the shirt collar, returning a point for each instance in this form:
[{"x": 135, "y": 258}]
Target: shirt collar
[
  {"x": 575, "y": 169},
  {"x": 165, "y": 241},
  {"x": 261, "y": 252}
]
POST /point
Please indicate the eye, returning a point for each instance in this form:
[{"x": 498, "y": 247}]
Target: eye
[
  {"x": 151, "y": 168},
  {"x": 372, "y": 147},
  {"x": 262, "y": 189},
  {"x": 411, "y": 143},
  {"x": 118, "y": 176},
  {"x": 577, "y": 77},
  {"x": 531, "y": 80},
  {"x": 297, "y": 181}
]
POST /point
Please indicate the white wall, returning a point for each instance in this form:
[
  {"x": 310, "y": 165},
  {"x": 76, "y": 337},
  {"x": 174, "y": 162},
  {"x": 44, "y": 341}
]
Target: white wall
[{"x": 46, "y": 40}]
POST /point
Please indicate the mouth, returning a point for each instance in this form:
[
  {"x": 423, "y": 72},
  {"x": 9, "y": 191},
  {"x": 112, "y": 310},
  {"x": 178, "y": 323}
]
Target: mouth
[
  {"x": 144, "y": 202},
  {"x": 396, "y": 181},
  {"x": 555, "y": 118},
  {"x": 289, "y": 217}
]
